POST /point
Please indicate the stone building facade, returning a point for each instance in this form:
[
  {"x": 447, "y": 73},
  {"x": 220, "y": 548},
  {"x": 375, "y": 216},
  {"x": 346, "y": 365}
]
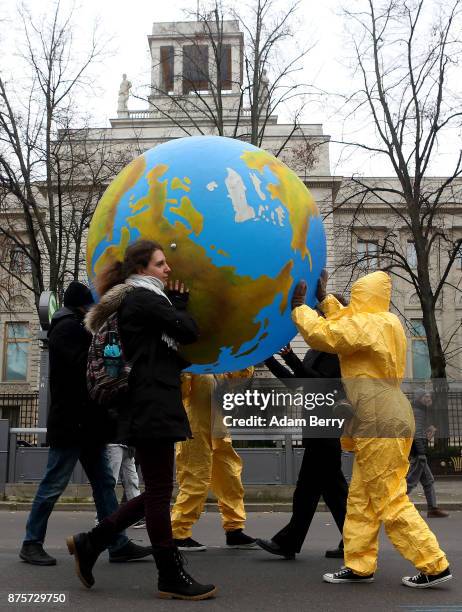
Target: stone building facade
[{"x": 172, "y": 110}]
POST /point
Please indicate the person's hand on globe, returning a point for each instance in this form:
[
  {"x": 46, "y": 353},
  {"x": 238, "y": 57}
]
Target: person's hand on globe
[
  {"x": 322, "y": 285},
  {"x": 285, "y": 350},
  {"x": 177, "y": 286},
  {"x": 178, "y": 293},
  {"x": 299, "y": 295}
]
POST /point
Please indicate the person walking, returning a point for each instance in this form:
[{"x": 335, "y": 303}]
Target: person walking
[
  {"x": 321, "y": 473},
  {"x": 419, "y": 470},
  {"x": 208, "y": 461},
  {"x": 371, "y": 345},
  {"x": 151, "y": 417},
  {"x": 76, "y": 431},
  {"x": 122, "y": 463}
]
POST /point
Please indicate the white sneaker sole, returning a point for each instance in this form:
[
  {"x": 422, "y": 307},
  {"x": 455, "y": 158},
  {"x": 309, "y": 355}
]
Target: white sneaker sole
[
  {"x": 330, "y": 578},
  {"x": 243, "y": 546},
  {"x": 427, "y": 585},
  {"x": 192, "y": 548}
]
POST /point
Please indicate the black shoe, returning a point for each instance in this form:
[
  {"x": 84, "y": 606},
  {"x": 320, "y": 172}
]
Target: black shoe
[
  {"x": 32, "y": 552},
  {"x": 347, "y": 575},
  {"x": 188, "y": 544},
  {"x": 238, "y": 539},
  {"x": 130, "y": 552},
  {"x": 437, "y": 513},
  {"x": 85, "y": 557},
  {"x": 273, "y": 548},
  {"x": 425, "y": 581},
  {"x": 174, "y": 582},
  {"x": 336, "y": 553}
]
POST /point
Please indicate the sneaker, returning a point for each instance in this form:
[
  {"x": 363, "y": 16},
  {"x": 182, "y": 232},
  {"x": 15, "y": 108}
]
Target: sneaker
[
  {"x": 347, "y": 575},
  {"x": 272, "y": 547},
  {"x": 130, "y": 552},
  {"x": 188, "y": 544},
  {"x": 33, "y": 553},
  {"x": 238, "y": 539},
  {"x": 437, "y": 513},
  {"x": 141, "y": 524},
  {"x": 426, "y": 581}
]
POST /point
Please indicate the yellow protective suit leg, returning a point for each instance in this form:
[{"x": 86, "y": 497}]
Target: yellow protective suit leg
[
  {"x": 361, "y": 543},
  {"x": 193, "y": 474},
  {"x": 378, "y": 495},
  {"x": 227, "y": 484}
]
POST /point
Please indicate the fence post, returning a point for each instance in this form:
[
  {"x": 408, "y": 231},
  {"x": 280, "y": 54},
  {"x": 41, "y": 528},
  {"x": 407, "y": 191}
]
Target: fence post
[
  {"x": 4, "y": 431},
  {"x": 44, "y": 394}
]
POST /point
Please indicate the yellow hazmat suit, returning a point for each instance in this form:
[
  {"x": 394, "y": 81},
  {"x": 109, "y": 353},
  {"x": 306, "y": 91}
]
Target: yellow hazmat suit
[
  {"x": 371, "y": 345},
  {"x": 206, "y": 462}
]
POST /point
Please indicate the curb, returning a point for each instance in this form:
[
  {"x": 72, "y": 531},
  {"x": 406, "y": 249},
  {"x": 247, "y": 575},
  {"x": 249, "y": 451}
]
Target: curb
[{"x": 13, "y": 506}]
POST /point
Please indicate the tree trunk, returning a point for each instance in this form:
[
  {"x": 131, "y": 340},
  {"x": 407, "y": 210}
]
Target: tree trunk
[{"x": 440, "y": 406}]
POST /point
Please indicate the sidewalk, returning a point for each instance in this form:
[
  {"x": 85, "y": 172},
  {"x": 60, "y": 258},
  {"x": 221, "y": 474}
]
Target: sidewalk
[{"x": 258, "y": 498}]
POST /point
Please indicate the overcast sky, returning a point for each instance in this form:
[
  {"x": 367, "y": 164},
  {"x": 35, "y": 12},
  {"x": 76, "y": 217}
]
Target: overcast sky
[{"x": 127, "y": 24}]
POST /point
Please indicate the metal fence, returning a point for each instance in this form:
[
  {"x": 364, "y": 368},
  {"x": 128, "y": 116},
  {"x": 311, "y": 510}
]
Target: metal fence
[
  {"x": 455, "y": 418},
  {"x": 21, "y": 410},
  {"x": 269, "y": 457}
]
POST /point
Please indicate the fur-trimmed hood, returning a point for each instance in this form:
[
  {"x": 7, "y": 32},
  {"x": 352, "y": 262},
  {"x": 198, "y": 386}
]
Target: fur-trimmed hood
[{"x": 107, "y": 305}]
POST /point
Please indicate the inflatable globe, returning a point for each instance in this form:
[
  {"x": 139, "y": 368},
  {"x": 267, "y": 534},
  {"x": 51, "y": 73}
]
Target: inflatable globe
[{"x": 237, "y": 225}]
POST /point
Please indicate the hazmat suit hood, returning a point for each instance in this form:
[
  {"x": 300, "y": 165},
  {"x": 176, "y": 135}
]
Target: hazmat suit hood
[{"x": 371, "y": 293}]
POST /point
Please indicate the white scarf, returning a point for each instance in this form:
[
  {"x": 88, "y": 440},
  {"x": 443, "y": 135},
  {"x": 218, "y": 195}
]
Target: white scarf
[{"x": 153, "y": 284}]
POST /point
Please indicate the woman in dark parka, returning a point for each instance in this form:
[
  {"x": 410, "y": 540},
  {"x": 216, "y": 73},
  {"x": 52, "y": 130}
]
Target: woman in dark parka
[{"x": 151, "y": 417}]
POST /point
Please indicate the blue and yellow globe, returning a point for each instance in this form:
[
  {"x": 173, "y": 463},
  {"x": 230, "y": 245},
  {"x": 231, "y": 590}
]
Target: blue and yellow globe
[{"x": 238, "y": 227}]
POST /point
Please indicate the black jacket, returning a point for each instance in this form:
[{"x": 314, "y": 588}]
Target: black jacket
[
  {"x": 73, "y": 419},
  {"x": 323, "y": 367},
  {"x": 153, "y": 408}
]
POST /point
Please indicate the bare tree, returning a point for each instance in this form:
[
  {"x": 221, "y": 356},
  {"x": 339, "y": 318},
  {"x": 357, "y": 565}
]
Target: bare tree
[
  {"x": 47, "y": 173},
  {"x": 211, "y": 92},
  {"x": 406, "y": 58}
]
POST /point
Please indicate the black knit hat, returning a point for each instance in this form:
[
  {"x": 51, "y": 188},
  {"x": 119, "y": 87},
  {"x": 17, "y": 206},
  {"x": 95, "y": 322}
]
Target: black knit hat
[{"x": 77, "y": 294}]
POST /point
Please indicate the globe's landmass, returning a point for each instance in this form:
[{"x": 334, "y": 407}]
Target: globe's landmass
[{"x": 237, "y": 225}]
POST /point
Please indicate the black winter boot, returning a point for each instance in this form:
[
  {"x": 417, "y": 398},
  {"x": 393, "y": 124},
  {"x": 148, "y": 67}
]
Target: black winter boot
[
  {"x": 174, "y": 582},
  {"x": 85, "y": 557}
]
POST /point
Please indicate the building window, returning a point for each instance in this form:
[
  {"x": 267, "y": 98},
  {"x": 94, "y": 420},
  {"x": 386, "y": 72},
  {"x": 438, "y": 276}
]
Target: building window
[
  {"x": 19, "y": 261},
  {"x": 411, "y": 255},
  {"x": 225, "y": 67},
  {"x": 459, "y": 258},
  {"x": 195, "y": 68},
  {"x": 421, "y": 369},
  {"x": 167, "y": 66},
  {"x": 368, "y": 254},
  {"x": 16, "y": 352}
]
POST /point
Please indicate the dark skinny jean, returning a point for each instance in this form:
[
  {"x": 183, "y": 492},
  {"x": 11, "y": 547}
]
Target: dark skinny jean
[{"x": 156, "y": 460}]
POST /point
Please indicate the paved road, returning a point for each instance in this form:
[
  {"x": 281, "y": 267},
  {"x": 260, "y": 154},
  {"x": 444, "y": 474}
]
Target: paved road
[{"x": 247, "y": 580}]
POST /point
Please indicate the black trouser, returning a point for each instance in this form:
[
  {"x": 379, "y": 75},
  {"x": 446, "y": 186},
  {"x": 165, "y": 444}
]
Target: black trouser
[
  {"x": 320, "y": 475},
  {"x": 156, "y": 461}
]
